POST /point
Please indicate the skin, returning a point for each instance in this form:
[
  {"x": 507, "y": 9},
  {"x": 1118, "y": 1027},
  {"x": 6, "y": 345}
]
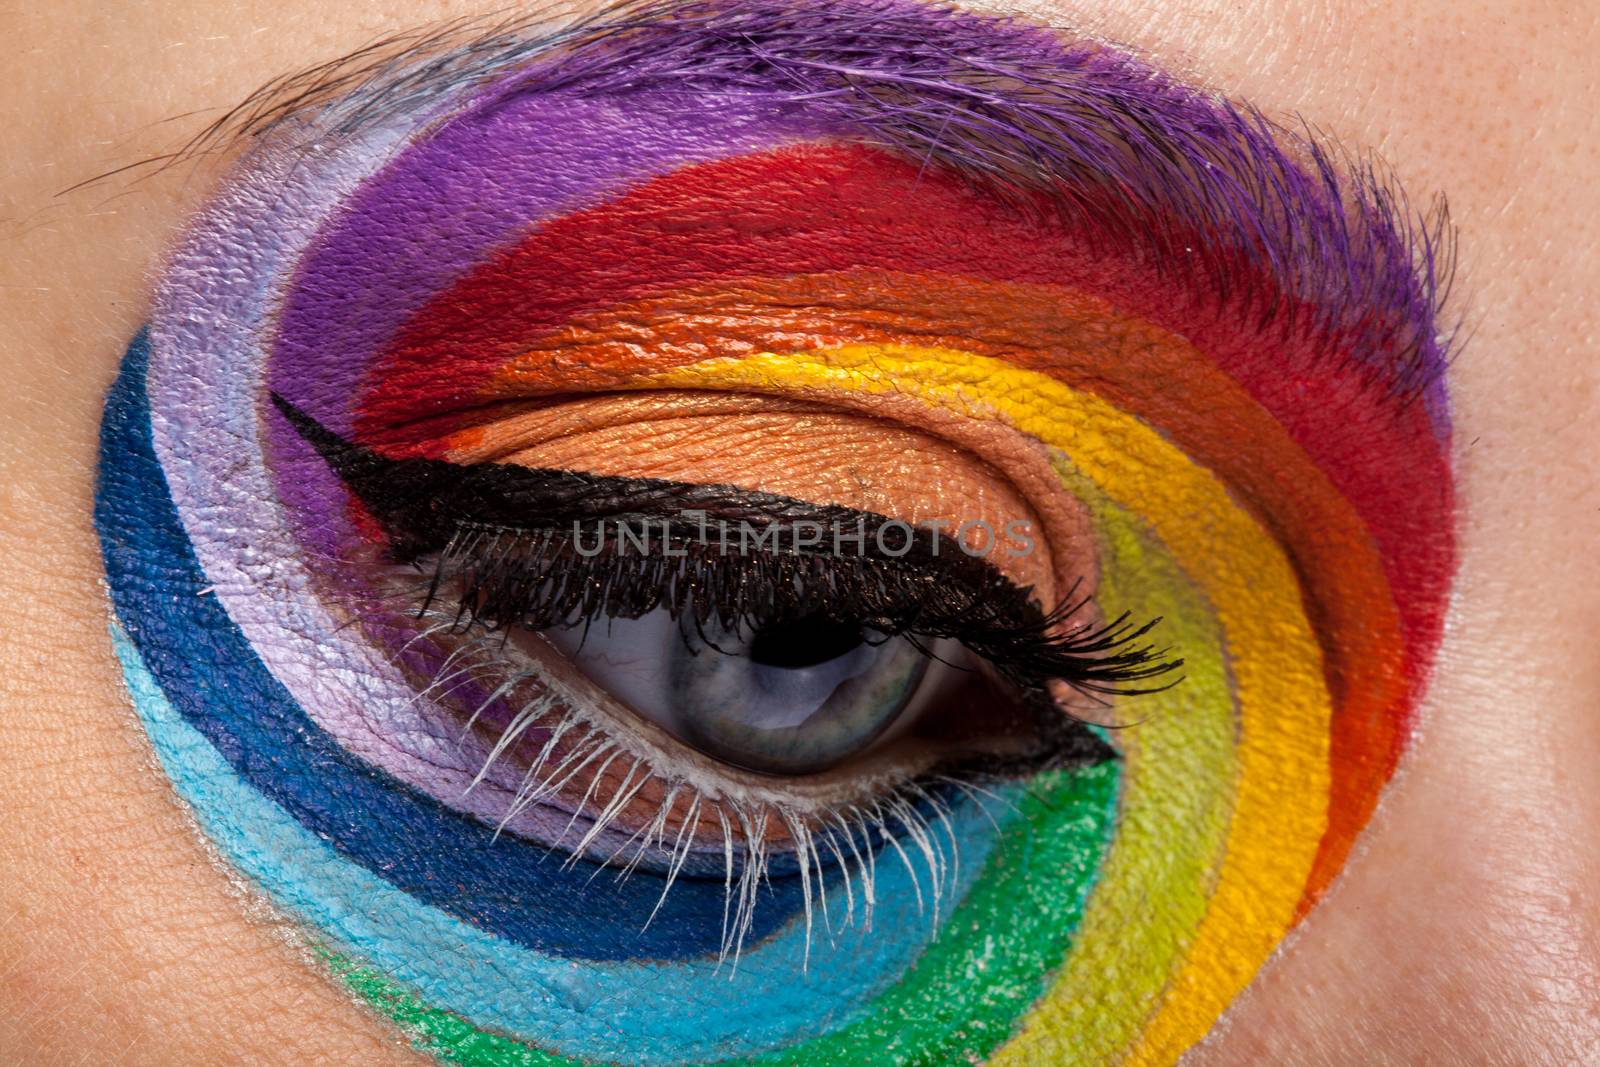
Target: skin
[{"x": 1463, "y": 928}]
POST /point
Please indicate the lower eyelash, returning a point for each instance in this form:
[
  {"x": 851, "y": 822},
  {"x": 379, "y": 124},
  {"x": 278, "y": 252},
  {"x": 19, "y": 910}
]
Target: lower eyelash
[
  {"x": 863, "y": 830},
  {"x": 845, "y": 836}
]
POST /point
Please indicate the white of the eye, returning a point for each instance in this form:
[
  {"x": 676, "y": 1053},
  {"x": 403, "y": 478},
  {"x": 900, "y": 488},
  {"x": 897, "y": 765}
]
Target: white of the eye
[{"x": 625, "y": 656}]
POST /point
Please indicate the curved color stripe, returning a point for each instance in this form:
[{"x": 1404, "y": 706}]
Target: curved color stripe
[
  {"x": 1087, "y": 344},
  {"x": 904, "y": 1029},
  {"x": 668, "y": 231},
  {"x": 1058, "y": 832},
  {"x": 462, "y": 968},
  {"x": 1172, "y": 828},
  {"x": 1060, "y": 829},
  {"x": 1280, "y": 809},
  {"x": 444, "y": 858}
]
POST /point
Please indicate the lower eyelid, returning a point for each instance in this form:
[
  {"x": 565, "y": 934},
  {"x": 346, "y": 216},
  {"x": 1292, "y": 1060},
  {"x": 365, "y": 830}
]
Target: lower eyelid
[{"x": 616, "y": 755}]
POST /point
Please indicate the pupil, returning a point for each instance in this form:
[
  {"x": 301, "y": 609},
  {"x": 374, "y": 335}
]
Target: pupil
[{"x": 803, "y": 643}]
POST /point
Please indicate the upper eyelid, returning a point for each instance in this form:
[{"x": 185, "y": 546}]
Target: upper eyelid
[{"x": 392, "y": 489}]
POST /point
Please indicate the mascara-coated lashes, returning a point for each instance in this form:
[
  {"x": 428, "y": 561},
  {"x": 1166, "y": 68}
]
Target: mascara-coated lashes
[{"x": 538, "y": 580}]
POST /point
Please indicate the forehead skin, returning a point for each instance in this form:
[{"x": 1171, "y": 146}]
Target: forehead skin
[{"x": 1466, "y": 921}]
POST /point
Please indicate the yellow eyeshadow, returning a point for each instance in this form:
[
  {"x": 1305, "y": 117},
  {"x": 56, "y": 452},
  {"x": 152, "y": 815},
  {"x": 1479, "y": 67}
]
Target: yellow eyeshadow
[{"x": 1280, "y": 791}]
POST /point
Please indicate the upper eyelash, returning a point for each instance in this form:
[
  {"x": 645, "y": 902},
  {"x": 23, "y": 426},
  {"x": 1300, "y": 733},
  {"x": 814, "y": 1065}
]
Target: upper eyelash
[{"x": 532, "y": 577}]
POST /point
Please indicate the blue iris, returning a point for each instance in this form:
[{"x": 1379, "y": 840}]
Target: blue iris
[{"x": 786, "y": 698}]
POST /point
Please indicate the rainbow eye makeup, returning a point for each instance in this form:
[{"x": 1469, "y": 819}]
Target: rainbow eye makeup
[{"x": 1084, "y": 445}]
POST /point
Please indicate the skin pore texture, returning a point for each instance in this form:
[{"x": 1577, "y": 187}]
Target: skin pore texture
[{"x": 1461, "y": 923}]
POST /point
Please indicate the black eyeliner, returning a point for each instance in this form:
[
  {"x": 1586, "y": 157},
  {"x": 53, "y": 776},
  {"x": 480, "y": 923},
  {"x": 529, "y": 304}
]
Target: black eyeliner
[{"x": 420, "y": 503}]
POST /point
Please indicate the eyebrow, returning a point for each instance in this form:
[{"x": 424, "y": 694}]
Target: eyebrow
[{"x": 1312, "y": 239}]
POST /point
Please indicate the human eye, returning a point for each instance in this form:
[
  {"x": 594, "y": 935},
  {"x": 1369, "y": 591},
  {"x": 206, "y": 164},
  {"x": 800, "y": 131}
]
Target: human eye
[
  {"x": 417, "y": 498},
  {"x": 780, "y": 636}
]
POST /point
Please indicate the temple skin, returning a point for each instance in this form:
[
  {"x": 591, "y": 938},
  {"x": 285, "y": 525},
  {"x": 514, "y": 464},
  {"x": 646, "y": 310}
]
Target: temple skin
[{"x": 1463, "y": 930}]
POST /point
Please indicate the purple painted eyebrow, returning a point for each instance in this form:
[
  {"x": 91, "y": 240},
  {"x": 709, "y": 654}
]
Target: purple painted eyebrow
[{"x": 1274, "y": 223}]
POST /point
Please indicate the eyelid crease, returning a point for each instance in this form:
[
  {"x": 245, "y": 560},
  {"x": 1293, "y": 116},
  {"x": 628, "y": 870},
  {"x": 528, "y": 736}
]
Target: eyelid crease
[{"x": 510, "y": 427}]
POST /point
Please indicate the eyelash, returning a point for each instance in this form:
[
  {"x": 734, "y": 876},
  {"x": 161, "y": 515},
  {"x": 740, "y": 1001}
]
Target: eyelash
[
  {"x": 536, "y": 579},
  {"x": 916, "y": 809}
]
